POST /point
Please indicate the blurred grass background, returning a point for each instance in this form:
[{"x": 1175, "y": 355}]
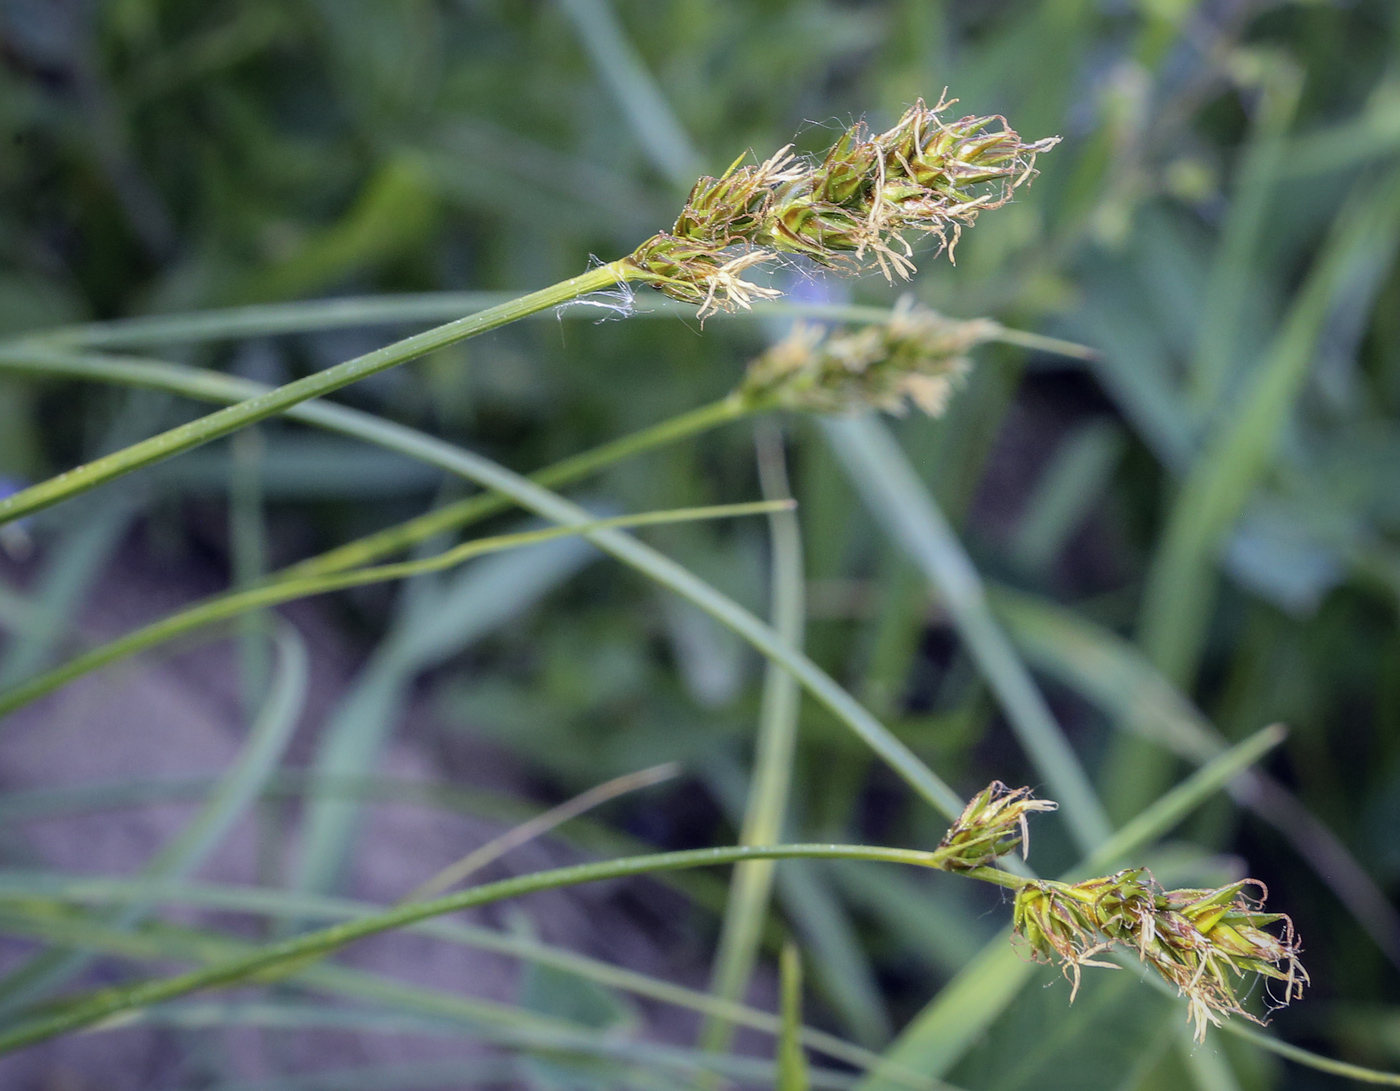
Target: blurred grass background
[{"x": 1199, "y": 527}]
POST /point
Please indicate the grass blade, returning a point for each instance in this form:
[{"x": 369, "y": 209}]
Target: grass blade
[
  {"x": 502, "y": 1024},
  {"x": 1178, "y": 596},
  {"x": 474, "y": 861},
  {"x": 619, "y": 65},
  {"x": 1165, "y": 812},
  {"x": 530, "y": 495},
  {"x": 910, "y": 516},
  {"x": 223, "y": 607},
  {"x": 298, "y": 951},
  {"x": 283, "y": 904},
  {"x": 273, "y": 402},
  {"x": 792, "y": 1062},
  {"x": 1116, "y": 676},
  {"x": 69, "y": 574},
  {"x": 230, "y": 799},
  {"x": 352, "y": 312},
  {"x": 1220, "y": 343},
  {"x": 751, "y": 885}
]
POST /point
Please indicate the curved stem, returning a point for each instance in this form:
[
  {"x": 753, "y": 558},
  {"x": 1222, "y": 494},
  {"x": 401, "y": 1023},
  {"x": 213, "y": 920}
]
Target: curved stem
[
  {"x": 224, "y": 421},
  {"x": 290, "y": 954},
  {"x": 354, "y": 554},
  {"x": 465, "y": 512},
  {"x": 224, "y": 607}
]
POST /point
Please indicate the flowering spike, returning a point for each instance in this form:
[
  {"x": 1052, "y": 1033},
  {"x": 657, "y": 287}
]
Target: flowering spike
[
  {"x": 918, "y": 356},
  {"x": 992, "y": 824},
  {"x": 1201, "y": 941},
  {"x": 924, "y": 174}
]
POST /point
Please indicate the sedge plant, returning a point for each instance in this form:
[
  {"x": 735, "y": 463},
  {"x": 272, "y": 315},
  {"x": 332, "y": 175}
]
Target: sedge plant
[
  {"x": 1201, "y": 942},
  {"x": 852, "y": 209},
  {"x": 855, "y": 208}
]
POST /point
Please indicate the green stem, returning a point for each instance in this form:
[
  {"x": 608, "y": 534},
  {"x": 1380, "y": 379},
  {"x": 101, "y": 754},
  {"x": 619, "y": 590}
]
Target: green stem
[
  {"x": 549, "y": 505},
  {"x": 349, "y": 312},
  {"x": 224, "y": 421},
  {"x": 997, "y": 877},
  {"x": 224, "y": 607},
  {"x": 313, "y": 945},
  {"x": 352, "y": 555},
  {"x": 455, "y": 516},
  {"x": 751, "y": 884}
]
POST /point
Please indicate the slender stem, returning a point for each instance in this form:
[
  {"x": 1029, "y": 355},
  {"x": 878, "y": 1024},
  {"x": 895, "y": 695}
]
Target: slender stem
[
  {"x": 224, "y": 421},
  {"x": 352, "y": 555},
  {"x": 751, "y": 885},
  {"x": 349, "y": 312},
  {"x": 455, "y": 516},
  {"x": 899, "y": 500},
  {"x": 457, "y": 872},
  {"x": 265, "y": 320},
  {"x": 1037, "y": 342},
  {"x": 1308, "y": 1058},
  {"x": 313, "y": 945},
  {"x": 224, "y": 607},
  {"x": 551, "y": 506}
]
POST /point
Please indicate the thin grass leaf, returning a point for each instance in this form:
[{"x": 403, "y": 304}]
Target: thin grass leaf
[
  {"x": 899, "y": 500},
  {"x": 404, "y": 1076},
  {"x": 1222, "y": 352},
  {"x": 70, "y": 572},
  {"x": 1116, "y": 676},
  {"x": 267, "y": 320},
  {"x": 1240, "y": 1029},
  {"x": 299, "y": 953},
  {"x": 17, "y": 612},
  {"x": 1040, "y": 1042},
  {"x": 792, "y": 1062},
  {"x": 702, "y": 889},
  {"x": 506, "y": 1025},
  {"x": 455, "y": 873},
  {"x": 1167, "y": 810},
  {"x": 282, "y": 905},
  {"x": 935, "y": 1040},
  {"x": 419, "y": 641},
  {"x": 741, "y": 932},
  {"x": 1075, "y": 479},
  {"x": 1351, "y": 144},
  {"x": 353, "y": 312},
  {"x": 555, "y": 508},
  {"x": 229, "y": 801},
  {"x": 622, "y": 70},
  {"x": 288, "y": 1015},
  {"x": 272, "y": 402},
  {"x": 1179, "y": 592},
  {"x": 248, "y": 557}
]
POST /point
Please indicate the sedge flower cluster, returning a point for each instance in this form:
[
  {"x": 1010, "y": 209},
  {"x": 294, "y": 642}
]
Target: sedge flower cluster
[
  {"x": 924, "y": 175},
  {"x": 1205, "y": 943},
  {"x": 991, "y": 825},
  {"x": 917, "y": 356}
]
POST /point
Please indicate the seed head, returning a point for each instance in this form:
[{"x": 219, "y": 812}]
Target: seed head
[
  {"x": 992, "y": 824},
  {"x": 1201, "y": 941},
  {"x": 918, "y": 356},
  {"x": 924, "y": 175}
]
